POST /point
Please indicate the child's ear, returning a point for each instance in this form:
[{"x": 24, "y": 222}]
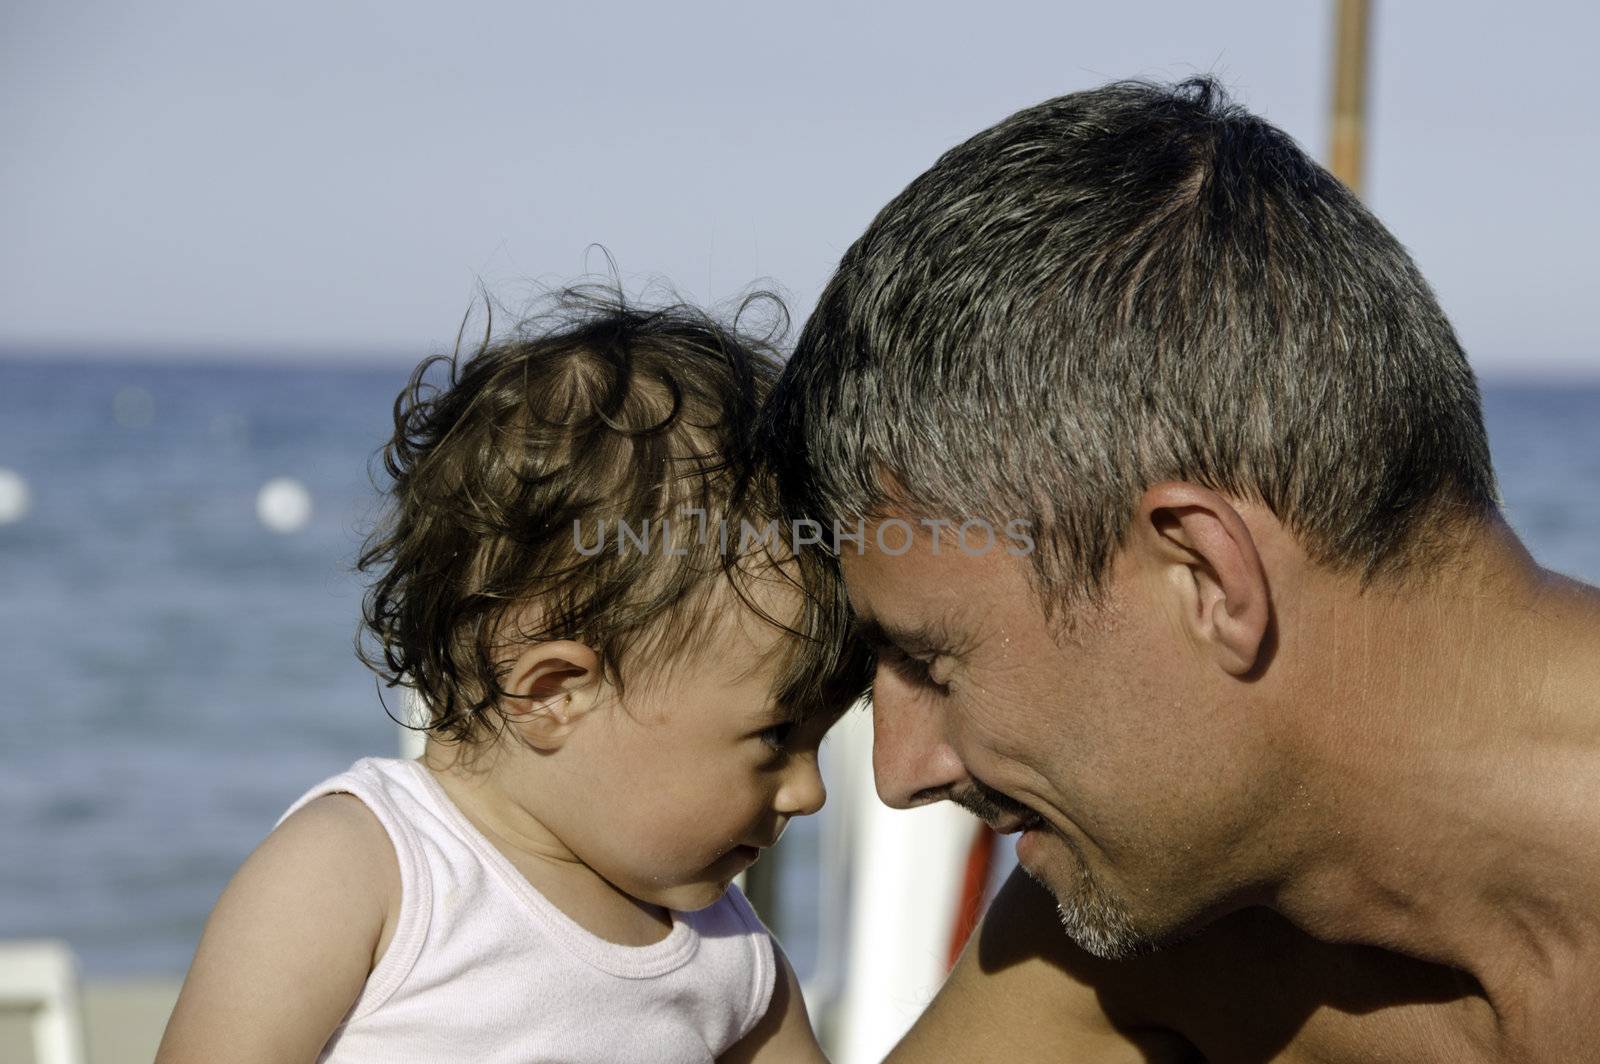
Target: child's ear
[{"x": 551, "y": 686}]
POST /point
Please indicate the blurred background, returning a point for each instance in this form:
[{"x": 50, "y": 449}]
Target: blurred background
[{"x": 227, "y": 232}]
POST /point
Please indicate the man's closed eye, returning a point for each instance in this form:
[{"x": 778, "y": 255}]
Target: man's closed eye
[{"x": 913, "y": 670}]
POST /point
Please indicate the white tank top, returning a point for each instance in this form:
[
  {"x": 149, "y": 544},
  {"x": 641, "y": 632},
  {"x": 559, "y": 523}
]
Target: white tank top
[{"x": 482, "y": 969}]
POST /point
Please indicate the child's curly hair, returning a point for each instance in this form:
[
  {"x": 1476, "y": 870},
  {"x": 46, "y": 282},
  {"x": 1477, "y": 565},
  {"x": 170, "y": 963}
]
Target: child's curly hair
[{"x": 593, "y": 412}]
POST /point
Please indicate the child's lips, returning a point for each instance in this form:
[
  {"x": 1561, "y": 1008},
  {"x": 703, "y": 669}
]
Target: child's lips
[
  {"x": 760, "y": 847},
  {"x": 749, "y": 853}
]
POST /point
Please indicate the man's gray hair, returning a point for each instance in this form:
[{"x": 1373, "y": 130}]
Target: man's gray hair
[{"x": 1119, "y": 287}]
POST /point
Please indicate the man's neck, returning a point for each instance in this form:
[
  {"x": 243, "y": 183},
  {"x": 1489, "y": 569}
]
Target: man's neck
[{"x": 1451, "y": 736}]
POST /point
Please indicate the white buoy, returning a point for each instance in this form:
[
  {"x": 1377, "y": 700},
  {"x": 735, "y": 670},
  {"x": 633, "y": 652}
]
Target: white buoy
[
  {"x": 13, "y": 497},
  {"x": 284, "y": 505},
  {"x": 133, "y": 407}
]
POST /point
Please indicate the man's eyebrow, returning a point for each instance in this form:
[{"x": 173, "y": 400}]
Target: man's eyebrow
[{"x": 913, "y": 639}]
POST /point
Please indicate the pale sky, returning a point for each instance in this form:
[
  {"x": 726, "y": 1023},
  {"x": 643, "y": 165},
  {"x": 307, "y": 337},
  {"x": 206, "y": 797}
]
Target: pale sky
[{"x": 333, "y": 178}]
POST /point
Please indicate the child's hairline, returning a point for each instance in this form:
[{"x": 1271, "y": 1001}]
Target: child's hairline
[{"x": 705, "y": 600}]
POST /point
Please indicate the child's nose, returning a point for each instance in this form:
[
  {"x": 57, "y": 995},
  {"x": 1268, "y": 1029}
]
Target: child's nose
[{"x": 802, "y": 792}]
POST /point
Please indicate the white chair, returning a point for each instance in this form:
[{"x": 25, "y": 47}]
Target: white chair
[
  {"x": 40, "y": 979},
  {"x": 415, "y": 711}
]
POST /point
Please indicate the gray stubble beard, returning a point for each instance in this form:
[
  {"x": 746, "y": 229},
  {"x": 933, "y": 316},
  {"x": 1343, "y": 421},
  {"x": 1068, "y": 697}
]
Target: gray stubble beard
[{"x": 1096, "y": 918}]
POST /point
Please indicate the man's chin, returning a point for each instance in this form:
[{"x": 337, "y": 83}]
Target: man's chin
[{"x": 1096, "y": 918}]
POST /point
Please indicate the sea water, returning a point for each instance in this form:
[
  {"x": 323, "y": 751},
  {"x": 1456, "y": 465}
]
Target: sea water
[{"x": 176, "y": 671}]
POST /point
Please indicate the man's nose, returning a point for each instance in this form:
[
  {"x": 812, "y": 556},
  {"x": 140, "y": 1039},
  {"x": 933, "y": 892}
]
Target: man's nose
[{"x": 911, "y": 761}]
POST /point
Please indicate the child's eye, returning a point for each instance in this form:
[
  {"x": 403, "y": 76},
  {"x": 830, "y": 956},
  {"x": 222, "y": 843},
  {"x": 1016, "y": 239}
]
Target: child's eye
[{"x": 778, "y": 735}]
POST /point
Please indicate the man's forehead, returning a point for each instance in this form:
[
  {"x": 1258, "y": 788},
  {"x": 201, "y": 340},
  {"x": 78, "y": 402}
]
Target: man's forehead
[
  {"x": 930, "y": 593},
  {"x": 870, "y": 571}
]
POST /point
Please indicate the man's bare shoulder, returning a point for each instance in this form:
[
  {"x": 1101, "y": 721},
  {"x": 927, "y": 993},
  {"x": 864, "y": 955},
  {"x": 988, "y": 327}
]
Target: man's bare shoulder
[{"x": 1022, "y": 991}]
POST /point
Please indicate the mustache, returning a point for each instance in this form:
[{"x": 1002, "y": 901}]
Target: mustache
[{"x": 990, "y": 805}]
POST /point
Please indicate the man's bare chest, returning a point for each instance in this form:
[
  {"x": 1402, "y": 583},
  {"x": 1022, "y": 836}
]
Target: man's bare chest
[
  {"x": 1263, "y": 992},
  {"x": 1404, "y": 1034}
]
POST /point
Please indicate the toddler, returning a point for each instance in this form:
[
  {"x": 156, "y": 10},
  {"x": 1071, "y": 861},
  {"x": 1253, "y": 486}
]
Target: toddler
[{"x": 627, "y": 673}]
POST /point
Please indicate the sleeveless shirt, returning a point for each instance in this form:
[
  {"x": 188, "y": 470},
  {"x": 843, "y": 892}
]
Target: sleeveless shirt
[{"x": 483, "y": 969}]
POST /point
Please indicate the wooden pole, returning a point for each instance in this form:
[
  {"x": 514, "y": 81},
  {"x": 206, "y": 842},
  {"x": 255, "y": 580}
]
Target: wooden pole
[{"x": 1348, "y": 131}]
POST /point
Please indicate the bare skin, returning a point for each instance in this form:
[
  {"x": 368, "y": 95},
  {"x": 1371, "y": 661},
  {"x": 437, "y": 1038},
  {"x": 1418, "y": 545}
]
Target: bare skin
[{"x": 1362, "y": 825}]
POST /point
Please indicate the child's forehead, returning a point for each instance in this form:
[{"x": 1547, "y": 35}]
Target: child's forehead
[
  {"x": 729, "y": 646},
  {"x": 753, "y": 615},
  {"x": 756, "y": 631}
]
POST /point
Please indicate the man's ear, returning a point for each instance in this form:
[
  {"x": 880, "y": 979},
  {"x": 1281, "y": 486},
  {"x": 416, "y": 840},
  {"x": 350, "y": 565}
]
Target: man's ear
[
  {"x": 1209, "y": 560},
  {"x": 550, "y": 687}
]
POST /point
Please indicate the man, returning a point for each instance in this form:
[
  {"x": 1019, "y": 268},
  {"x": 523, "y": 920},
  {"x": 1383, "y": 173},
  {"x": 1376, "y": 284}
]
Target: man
[{"x": 1305, "y": 747}]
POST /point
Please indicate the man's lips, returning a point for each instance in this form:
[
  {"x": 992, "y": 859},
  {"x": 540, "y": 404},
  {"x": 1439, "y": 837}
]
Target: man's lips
[
  {"x": 995, "y": 807},
  {"x": 1012, "y": 825}
]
